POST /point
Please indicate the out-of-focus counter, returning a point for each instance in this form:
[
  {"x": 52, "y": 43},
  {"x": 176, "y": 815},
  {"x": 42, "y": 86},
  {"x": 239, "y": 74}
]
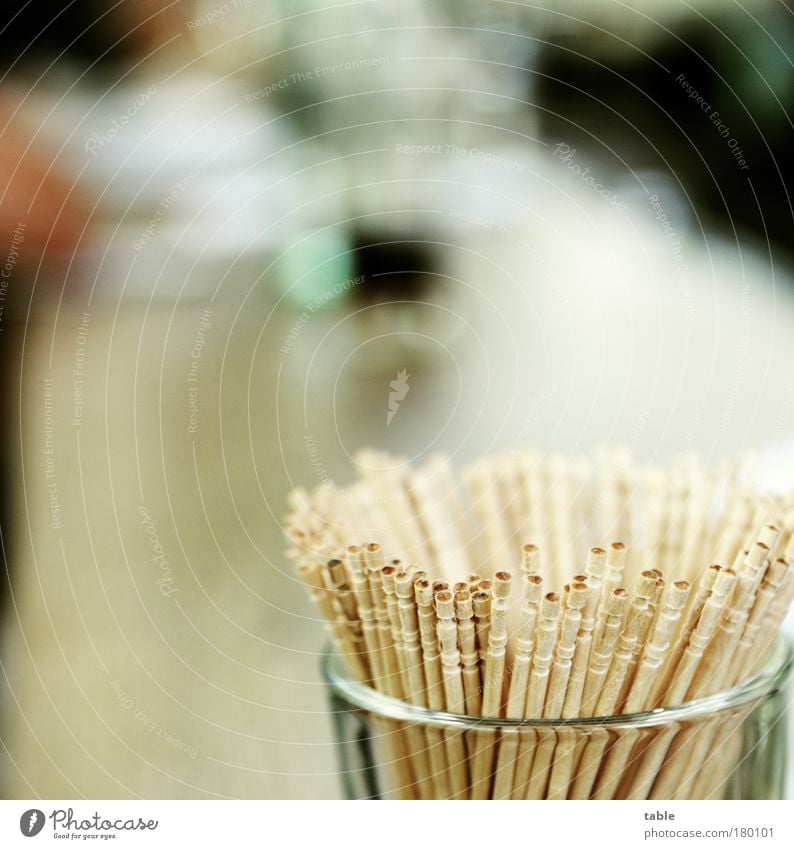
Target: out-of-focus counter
[{"x": 157, "y": 644}]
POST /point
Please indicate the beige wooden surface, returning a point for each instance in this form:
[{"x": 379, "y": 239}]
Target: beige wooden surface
[{"x": 113, "y": 688}]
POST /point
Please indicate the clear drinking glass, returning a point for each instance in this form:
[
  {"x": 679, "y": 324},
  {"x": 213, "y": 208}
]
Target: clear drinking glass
[{"x": 732, "y": 745}]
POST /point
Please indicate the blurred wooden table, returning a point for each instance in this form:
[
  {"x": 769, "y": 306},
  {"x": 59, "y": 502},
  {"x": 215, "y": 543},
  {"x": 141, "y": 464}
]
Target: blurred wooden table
[{"x": 157, "y": 644}]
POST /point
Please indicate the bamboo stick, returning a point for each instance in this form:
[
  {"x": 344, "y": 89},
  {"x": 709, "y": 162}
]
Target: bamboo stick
[
  {"x": 538, "y": 685},
  {"x": 467, "y": 641},
  {"x": 603, "y": 647},
  {"x": 652, "y": 657},
  {"x": 670, "y": 776},
  {"x": 596, "y": 562},
  {"x": 453, "y": 689},
  {"x": 493, "y": 682},
  {"x": 431, "y": 660},
  {"x": 448, "y": 645},
  {"x": 570, "y": 743},
  {"x": 519, "y": 681}
]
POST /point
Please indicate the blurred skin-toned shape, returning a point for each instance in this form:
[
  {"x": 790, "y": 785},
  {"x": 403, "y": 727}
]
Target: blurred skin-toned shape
[{"x": 35, "y": 192}]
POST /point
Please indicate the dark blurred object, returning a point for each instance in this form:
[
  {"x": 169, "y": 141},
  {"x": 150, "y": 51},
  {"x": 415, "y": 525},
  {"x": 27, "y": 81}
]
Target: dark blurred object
[
  {"x": 85, "y": 30},
  {"x": 393, "y": 270},
  {"x": 91, "y": 36},
  {"x": 708, "y": 104}
]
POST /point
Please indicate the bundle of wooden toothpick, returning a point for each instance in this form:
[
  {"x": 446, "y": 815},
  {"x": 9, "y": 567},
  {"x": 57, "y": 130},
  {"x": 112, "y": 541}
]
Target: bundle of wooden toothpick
[{"x": 534, "y": 588}]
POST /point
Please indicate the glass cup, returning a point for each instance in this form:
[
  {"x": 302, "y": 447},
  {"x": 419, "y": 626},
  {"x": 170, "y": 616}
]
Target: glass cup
[{"x": 732, "y": 745}]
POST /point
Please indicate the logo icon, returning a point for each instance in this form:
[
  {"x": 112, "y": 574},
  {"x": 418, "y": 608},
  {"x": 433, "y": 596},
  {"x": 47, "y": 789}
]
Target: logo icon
[
  {"x": 31, "y": 822},
  {"x": 399, "y": 389}
]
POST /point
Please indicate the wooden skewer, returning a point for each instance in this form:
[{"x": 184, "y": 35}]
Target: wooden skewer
[
  {"x": 538, "y": 685},
  {"x": 566, "y": 644},
  {"x": 336, "y": 622},
  {"x": 405, "y": 784},
  {"x": 657, "y": 647},
  {"x": 648, "y": 620},
  {"x": 509, "y": 494},
  {"x": 596, "y": 562},
  {"x": 748, "y": 584},
  {"x": 613, "y": 682},
  {"x": 453, "y": 689},
  {"x": 431, "y": 656},
  {"x": 714, "y": 667},
  {"x": 691, "y": 614},
  {"x": 388, "y": 580},
  {"x": 431, "y": 659},
  {"x": 448, "y": 490},
  {"x": 414, "y": 669},
  {"x": 447, "y": 645},
  {"x": 374, "y": 560},
  {"x": 409, "y": 623},
  {"x": 590, "y": 758},
  {"x": 445, "y": 542},
  {"x": 652, "y": 657},
  {"x": 670, "y": 776},
  {"x": 540, "y": 777},
  {"x": 366, "y": 611},
  {"x": 570, "y": 744},
  {"x": 715, "y": 767},
  {"x": 708, "y": 621},
  {"x": 740, "y": 665},
  {"x": 487, "y": 510},
  {"x": 467, "y": 641},
  {"x": 483, "y": 755},
  {"x": 497, "y": 640},
  {"x": 603, "y": 648},
  {"x": 519, "y": 680},
  {"x": 626, "y": 646},
  {"x": 777, "y": 612},
  {"x": 701, "y": 496},
  {"x": 482, "y": 618}
]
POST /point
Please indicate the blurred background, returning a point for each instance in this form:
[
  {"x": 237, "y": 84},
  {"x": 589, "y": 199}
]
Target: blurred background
[{"x": 227, "y": 227}]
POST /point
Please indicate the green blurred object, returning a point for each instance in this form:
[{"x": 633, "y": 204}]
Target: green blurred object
[{"x": 318, "y": 269}]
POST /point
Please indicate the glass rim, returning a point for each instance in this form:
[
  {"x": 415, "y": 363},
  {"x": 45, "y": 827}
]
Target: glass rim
[{"x": 764, "y": 683}]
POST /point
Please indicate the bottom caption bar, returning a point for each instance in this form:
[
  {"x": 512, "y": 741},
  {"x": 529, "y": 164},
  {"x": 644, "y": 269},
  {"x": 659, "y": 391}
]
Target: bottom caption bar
[{"x": 386, "y": 824}]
